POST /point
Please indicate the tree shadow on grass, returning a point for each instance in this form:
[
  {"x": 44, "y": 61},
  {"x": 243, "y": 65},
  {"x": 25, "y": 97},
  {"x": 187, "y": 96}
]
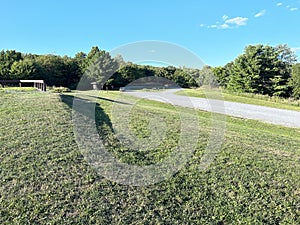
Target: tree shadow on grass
[
  {"x": 92, "y": 123},
  {"x": 109, "y": 100},
  {"x": 92, "y": 111},
  {"x": 84, "y": 107},
  {"x": 107, "y": 195}
]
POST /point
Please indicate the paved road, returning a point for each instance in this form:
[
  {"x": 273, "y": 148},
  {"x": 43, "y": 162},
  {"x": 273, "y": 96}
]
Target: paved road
[{"x": 288, "y": 118}]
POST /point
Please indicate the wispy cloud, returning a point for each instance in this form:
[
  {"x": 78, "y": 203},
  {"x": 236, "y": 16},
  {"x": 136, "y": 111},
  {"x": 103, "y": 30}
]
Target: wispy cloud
[
  {"x": 261, "y": 13},
  {"x": 228, "y": 23},
  {"x": 225, "y": 17},
  {"x": 296, "y": 49},
  {"x": 291, "y": 8},
  {"x": 238, "y": 21},
  {"x": 224, "y": 26}
]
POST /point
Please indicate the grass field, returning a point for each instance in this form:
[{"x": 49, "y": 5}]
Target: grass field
[
  {"x": 18, "y": 89},
  {"x": 45, "y": 179},
  {"x": 254, "y": 99}
]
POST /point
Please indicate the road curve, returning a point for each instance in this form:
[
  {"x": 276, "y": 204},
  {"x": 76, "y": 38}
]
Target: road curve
[{"x": 288, "y": 118}]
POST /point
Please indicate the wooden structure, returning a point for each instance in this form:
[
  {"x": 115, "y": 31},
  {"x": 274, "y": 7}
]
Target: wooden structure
[{"x": 38, "y": 84}]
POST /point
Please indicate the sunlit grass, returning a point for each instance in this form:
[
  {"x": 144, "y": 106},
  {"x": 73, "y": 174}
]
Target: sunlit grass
[
  {"x": 17, "y": 89},
  {"x": 45, "y": 179}
]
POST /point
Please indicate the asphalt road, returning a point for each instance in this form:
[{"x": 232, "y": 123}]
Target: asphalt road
[{"x": 288, "y": 118}]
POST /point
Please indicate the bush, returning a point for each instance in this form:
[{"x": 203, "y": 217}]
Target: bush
[{"x": 59, "y": 89}]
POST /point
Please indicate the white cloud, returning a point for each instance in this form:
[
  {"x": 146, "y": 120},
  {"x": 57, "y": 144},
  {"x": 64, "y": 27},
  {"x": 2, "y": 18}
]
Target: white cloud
[
  {"x": 288, "y": 6},
  {"x": 228, "y": 23},
  {"x": 238, "y": 21},
  {"x": 224, "y": 26},
  {"x": 225, "y": 17},
  {"x": 296, "y": 49},
  {"x": 261, "y": 13}
]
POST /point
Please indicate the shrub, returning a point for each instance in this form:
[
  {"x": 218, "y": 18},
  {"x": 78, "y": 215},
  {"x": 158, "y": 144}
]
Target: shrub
[{"x": 60, "y": 89}]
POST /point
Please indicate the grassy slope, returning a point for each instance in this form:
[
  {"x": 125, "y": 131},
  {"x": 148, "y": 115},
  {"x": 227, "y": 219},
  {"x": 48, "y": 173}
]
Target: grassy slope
[
  {"x": 248, "y": 99},
  {"x": 44, "y": 177}
]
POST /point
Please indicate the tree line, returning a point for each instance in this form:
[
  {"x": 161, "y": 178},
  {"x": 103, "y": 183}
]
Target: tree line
[
  {"x": 67, "y": 71},
  {"x": 261, "y": 69}
]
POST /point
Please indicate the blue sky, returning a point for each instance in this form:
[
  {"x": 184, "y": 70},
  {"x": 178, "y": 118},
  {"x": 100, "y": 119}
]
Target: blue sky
[{"x": 216, "y": 30}]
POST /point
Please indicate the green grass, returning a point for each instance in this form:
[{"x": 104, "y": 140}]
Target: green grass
[
  {"x": 18, "y": 89},
  {"x": 254, "y": 99},
  {"x": 44, "y": 178}
]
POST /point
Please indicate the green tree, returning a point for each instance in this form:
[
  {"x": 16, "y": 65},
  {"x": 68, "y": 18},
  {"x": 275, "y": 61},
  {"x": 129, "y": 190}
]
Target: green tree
[
  {"x": 197, "y": 78},
  {"x": 71, "y": 72},
  {"x": 286, "y": 58},
  {"x": 101, "y": 66},
  {"x": 23, "y": 69},
  {"x": 181, "y": 76},
  {"x": 119, "y": 59},
  {"x": 239, "y": 75},
  {"x": 295, "y": 80},
  {"x": 80, "y": 59},
  {"x": 131, "y": 72},
  {"x": 262, "y": 69},
  {"x": 91, "y": 57},
  {"x": 209, "y": 77},
  {"x": 7, "y": 58},
  {"x": 222, "y": 74},
  {"x": 57, "y": 70}
]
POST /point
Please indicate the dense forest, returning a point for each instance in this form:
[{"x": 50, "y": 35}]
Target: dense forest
[{"x": 261, "y": 69}]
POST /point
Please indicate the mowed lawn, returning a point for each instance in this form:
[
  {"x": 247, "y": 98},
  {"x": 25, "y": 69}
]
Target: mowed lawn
[{"x": 44, "y": 178}]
